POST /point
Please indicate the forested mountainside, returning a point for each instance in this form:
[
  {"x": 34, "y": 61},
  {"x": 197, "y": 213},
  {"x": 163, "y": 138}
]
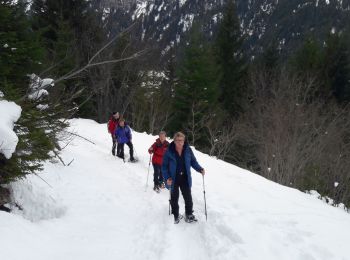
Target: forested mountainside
[{"x": 285, "y": 23}]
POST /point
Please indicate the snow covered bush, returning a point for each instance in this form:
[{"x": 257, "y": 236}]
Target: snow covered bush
[{"x": 29, "y": 116}]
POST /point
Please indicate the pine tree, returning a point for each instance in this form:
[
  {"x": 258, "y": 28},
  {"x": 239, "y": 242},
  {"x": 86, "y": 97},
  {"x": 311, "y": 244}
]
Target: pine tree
[
  {"x": 197, "y": 88},
  {"x": 20, "y": 55},
  {"x": 231, "y": 58},
  {"x": 270, "y": 58},
  {"x": 19, "y": 49},
  {"x": 72, "y": 33},
  {"x": 54, "y": 22},
  {"x": 307, "y": 63},
  {"x": 168, "y": 86},
  {"x": 308, "y": 58},
  {"x": 337, "y": 66}
]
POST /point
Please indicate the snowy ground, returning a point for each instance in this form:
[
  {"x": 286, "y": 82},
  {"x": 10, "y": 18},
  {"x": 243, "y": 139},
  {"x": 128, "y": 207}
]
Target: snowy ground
[{"x": 97, "y": 208}]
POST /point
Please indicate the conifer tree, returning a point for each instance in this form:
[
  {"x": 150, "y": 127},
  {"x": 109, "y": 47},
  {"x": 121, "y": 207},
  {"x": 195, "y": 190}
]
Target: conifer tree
[
  {"x": 20, "y": 55},
  {"x": 337, "y": 66},
  {"x": 308, "y": 58},
  {"x": 72, "y": 33},
  {"x": 231, "y": 59},
  {"x": 270, "y": 58},
  {"x": 197, "y": 89},
  {"x": 307, "y": 63},
  {"x": 19, "y": 49}
]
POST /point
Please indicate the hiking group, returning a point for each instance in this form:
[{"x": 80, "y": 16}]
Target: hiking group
[
  {"x": 171, "y": 162},
  {"x": 121, "y": 134}
]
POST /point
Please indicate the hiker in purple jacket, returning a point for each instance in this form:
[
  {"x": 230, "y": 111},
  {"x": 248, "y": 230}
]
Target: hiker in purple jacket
[{"x": 123, "y": 136}]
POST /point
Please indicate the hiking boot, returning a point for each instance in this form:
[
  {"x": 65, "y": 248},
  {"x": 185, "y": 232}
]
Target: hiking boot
[
  {"x": 190, "y": 218},
  {"x": 156, "y": 188},
  {"x": 177, "y": 219},
  {"x": 113, "y": 152}
]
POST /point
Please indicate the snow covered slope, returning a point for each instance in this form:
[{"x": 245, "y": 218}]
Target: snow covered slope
[{"x": 97, "y": 208}]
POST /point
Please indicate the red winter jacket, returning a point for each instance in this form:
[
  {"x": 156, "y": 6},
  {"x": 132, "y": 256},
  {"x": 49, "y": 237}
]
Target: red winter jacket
[
  {"x": 112, "y": 125},
  {"x": 158, "y": 149}
]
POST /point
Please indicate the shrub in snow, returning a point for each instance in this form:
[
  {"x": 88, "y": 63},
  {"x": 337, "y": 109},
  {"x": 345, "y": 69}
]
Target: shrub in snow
[
  {"x": 25, "y": 144},
  {"x": 37, "y": 200}
]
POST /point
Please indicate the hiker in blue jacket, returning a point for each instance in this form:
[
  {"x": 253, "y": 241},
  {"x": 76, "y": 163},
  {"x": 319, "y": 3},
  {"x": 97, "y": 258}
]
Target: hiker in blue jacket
[
  {"x": 176, "y": 169},
  {"x": 123, "y": 136}
]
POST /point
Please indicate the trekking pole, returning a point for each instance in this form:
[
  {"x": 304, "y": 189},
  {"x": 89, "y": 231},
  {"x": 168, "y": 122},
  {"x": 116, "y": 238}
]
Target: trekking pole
[
  {"x": 205, "y": 201},
  {"x": 149, "y": 165}
]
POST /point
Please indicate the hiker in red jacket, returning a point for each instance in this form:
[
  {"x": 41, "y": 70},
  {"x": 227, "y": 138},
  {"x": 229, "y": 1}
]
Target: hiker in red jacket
[
  {"x": 112, "y": 125},
  {"x": 158, "y": 149}
]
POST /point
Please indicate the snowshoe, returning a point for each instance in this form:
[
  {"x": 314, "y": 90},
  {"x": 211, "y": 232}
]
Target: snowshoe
[
  {"x": 156, "y": 189},
  {"x": 133, "y": 160},
  {"x": 177, "y": 219},
  {"x": 190, "y": 218}
]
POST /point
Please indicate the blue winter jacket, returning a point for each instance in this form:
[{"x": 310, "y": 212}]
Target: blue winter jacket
[
  {"x": 123, "y": 134},
  {"x": 169, "y": 163}
]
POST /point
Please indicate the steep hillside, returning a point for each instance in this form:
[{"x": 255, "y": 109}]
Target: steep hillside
[{"x": 100, "y": 208}]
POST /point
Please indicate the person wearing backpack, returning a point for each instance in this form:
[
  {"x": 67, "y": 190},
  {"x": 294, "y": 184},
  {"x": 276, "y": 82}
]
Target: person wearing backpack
[
  {"x": 176, "y": 169},
  {"x": 111, "y": 126},
  {"x": 123, "y": 136},
  {"x": 158, "y": 150}
]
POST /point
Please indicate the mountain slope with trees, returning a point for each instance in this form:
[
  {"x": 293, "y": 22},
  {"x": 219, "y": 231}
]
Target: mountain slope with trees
[{"x": 264, "y": 85}]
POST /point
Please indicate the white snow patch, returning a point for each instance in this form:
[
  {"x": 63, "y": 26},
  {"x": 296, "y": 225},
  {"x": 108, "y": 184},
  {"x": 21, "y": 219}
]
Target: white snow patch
[
  {"x": 182, "y": 2},
  {"x": 37, "y": 199},
  {"x": 105, "y": 13},
  {"x": 160, "y": 7},
  {"x": 38, "y": 87},
  {"x": 42, "y": 106},
  {"x": 156, "y": 18},
  {"x": 141, "y": 8},
  {"x": 9, "y": 114},
  {"x": 187, "y": 22}
]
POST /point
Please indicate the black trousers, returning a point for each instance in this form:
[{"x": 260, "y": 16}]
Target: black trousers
[
  {"x": 182, "y": 184},
  {"x": 120, "y": 150},
  {"x": 157, "y": 176},
  {"x": 114, "y": 141}
]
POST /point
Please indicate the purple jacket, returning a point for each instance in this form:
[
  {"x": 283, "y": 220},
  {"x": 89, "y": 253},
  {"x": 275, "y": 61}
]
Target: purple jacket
[{"x": 123, "y": 134}]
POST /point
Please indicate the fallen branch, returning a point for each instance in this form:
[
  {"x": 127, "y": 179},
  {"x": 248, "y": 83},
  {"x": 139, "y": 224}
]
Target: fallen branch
[
  {"x": 70, "y": 162},
  {"x": 56, "y": 154},
  {"x": 81, "y": 137},
  {"x": 43, "y": 180},
  {"x": 92, "y": 62}
]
